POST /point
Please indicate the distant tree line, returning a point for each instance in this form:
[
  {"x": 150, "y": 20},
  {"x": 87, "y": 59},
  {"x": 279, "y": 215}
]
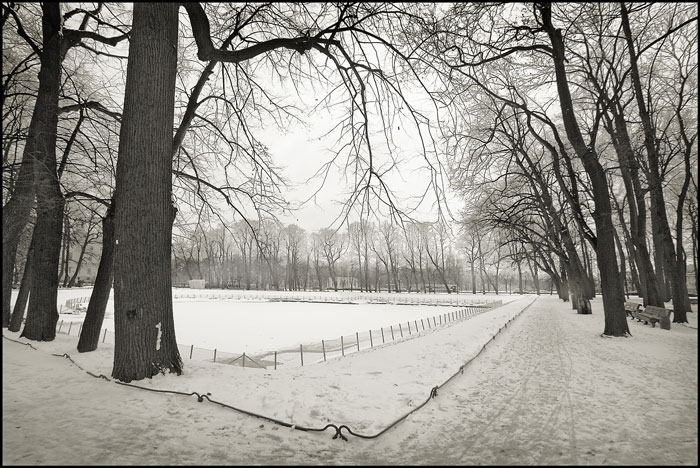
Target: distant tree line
[{"x": 364, "y": 256}]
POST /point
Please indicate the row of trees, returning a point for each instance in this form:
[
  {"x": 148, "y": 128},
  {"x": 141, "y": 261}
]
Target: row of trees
[
  {"x": 583, "y": 126},
  {"x": 365, "y": 256},
  {"x": 566, "y": 129}
]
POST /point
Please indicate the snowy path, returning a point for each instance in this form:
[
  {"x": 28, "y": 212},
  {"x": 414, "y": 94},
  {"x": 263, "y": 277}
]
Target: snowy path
[
  {"x": 547, "y": 390},
  {"x": 556, "y": 400}
]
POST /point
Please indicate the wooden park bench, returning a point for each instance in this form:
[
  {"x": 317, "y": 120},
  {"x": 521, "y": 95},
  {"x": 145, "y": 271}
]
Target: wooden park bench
[
  {"x": 631, "y": 307},
  {"x": 653, "y": 314}
]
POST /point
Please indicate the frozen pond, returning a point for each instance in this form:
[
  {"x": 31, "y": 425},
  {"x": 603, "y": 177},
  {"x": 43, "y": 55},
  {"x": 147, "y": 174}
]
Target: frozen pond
[{"x": 256, "y": 321}]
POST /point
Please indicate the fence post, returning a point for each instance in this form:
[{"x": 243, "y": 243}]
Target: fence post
[
  {"x": 214, "y": 354},
  {"x": 371, "y": 345},
  {"x": 301, "y": 353},
  {"x": 243, "y": 361},
  {"x": 382, "y": 329},
  {"x": 80, "y": 330},
  {"x": 191, "y": 349},
  {"x": 409, "y": 328},
  {"x": 60, "y": 326},
  {"x": 275, "y": 360},
  {"x": 342, "y": 345},
  {"x": 357, "y": 339},
  {"x": 104, "y": 336},
  {"x": 422, "y": 324},
  {"x": 434, "y": 323},
  {"x": 416, "y": 322},
  {"x": 400, "y": 331},
  {"x": 392, "y": 332}
]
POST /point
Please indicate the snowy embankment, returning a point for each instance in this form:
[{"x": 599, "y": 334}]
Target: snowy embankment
[{"x": 548, "y": 390}]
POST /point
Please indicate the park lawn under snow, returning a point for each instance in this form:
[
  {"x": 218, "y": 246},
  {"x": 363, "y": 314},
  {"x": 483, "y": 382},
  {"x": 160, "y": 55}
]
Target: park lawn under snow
[{"x": 547, "y": 390}]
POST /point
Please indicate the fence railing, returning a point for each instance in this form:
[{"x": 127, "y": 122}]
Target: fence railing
[
  {"x": 311, "y": 353},
  {"x": 75, "y": 305}
]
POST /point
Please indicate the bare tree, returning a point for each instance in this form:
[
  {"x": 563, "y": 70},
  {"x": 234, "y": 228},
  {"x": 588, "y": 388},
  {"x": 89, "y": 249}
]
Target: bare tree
[
  {"x": 294, "y": 242},
  {"x": 333, "y": 245},
  {"x": 38, "y": 173}
]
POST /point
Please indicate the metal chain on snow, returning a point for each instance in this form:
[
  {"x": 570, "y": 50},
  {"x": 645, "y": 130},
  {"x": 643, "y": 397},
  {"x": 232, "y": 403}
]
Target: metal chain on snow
[
  {"x": 20, "y": 342},
  {"x": 338, "y": 429}
]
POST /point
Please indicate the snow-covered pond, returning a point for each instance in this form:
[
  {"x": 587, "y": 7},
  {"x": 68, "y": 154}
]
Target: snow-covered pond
[{"x": 251, "y": 322}]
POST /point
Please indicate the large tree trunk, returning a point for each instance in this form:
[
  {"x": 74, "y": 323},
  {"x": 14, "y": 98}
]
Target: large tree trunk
[
  {"x": 145, "y": 342},
  {"x": 564, "y": 290},
  {"x": 40, "y": 145},
  {"x": 81, "y": 257},
  {"x": 637, "y": 208},
  {"x": 623, "y": 264},
  {"x": 612, "y": 290},
  {"x": 24, "y": 290},
  {"x": 659, "y": 260},
  {"x": 92, "y": 325},
  {"x": 42, "y": 314}
]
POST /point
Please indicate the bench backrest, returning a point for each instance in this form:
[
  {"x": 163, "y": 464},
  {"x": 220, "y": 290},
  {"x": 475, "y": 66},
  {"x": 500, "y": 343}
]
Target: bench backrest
[
  {"x": 662, "y": 314},
  {"x": 632, "y": 306},
  {"x": 657, "y": 311}
]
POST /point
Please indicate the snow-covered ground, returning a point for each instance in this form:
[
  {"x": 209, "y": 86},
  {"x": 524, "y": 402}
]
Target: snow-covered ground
[{"x": 548, "y": 389}]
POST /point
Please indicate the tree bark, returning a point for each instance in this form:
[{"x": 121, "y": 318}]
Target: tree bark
[
  {"x": 42, "y": 314},
  {"x": 145, "y": 342},
  {"x": 94, "y": 317},
  {"x": 24, "y": 291},
  {"x": 41, "y": 140}
]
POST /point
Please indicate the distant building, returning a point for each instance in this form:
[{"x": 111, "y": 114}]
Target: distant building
[{"x": 88, "y": 266}]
